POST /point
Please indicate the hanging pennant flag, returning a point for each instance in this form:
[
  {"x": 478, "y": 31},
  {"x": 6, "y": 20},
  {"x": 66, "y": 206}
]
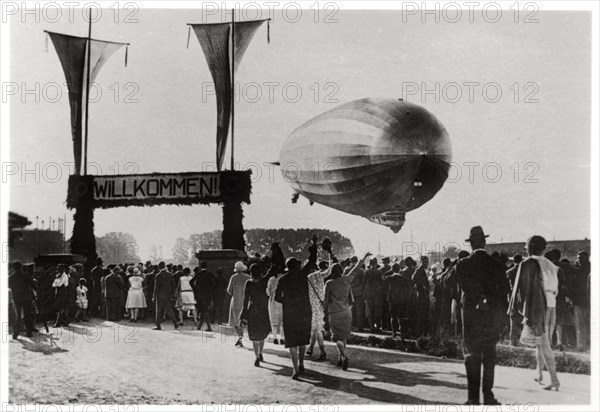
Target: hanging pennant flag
[
  {"x": 72, "y": 52},
  {"x": 216, "y": 42}
]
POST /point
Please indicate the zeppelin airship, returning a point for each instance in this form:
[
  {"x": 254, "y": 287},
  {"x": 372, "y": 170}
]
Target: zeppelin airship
[{"x": 378, "y": 158}]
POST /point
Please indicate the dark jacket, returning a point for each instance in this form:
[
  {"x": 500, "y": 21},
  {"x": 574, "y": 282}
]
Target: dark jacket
[
  {"x": 421, "y": 285},
  {"x": 164, "y": 285},
  {"x": 528, "y": 297},
  {"x": 481, "y": 277},
  {"x": 373, "y": 283},
  {"x": 204, "y": 283},
  {"x": 579, "y": 289},
  {"x": 114, "y": 286},
  {"x": 399, "y": 289},
  {"x": 21, "y": 284},
  {"x": 357, "y": 282}
]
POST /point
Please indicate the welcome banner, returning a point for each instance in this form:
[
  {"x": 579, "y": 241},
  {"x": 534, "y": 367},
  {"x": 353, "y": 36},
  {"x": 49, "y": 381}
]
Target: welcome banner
[{"x": 159, "y": 189}]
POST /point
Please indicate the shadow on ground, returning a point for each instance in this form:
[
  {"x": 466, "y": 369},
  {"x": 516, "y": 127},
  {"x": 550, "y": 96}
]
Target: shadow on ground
[{"x": 358, "y": 385}]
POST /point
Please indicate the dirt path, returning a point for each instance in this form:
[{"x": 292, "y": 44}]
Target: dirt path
[{"x": 108, "y": 363}]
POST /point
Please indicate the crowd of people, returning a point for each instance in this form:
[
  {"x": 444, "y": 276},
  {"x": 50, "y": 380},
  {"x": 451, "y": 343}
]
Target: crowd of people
[{"x": 477, "y": 296}]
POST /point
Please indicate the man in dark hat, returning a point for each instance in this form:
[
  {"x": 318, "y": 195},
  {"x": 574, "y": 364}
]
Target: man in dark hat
[
  {"x": 203, "y": 284},
  {"x": 164, "y": 288},
  {"x": 373, "y": 293},
  {"x": 484, "y": 289}
]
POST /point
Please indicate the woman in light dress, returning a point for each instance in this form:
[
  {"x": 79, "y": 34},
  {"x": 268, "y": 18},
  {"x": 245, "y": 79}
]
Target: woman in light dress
[
  {"x": 185, "y": 296},
  {"x": 135, "y": 296},
  {"x": 237, "y": 285},
  {"x": 275, "y": 310}
]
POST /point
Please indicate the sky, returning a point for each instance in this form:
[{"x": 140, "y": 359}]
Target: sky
[{"x": 156, "y": 115}]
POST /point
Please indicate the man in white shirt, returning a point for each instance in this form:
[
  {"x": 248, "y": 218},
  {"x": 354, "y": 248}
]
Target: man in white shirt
[{"x": 61, "y": 294}]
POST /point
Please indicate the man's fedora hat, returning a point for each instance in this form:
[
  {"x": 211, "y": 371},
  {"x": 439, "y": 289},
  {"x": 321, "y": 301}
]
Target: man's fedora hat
[{"x": 476, "y": 233}]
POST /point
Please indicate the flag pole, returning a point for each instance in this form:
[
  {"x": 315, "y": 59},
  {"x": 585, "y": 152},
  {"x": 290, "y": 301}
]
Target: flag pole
[
  {"x": 87, "y": 92},
  {"x": 233, "y": 82}
]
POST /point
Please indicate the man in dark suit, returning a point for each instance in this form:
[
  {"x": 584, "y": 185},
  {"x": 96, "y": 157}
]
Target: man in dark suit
[
  {"x": 421, "y": 285},
  {"x": 114, "y": 290},
  {"x": 373, "y": 294},
  {"x": 21, "y": 285},
  {"x": 485, "y": 286},
  {"x": 96, "y": 292},
  {"x": 149, "y": 288},
  {"x": 164, "y": 289},
  {"x": 203, "y": 284}
]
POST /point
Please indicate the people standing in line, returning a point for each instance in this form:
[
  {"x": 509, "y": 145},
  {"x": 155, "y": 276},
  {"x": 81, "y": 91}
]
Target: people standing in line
[
  {"x": 357, "y": 281},
  {"x": 338, "y": 301},
  {"x": 163, "y": 296},
  {"x": 255, "y": 310},
  {"x": 316, "y": 292},
  {"x": 292, "y": 293},
  {"x": 372, "y": 292},
  {"x": 96, "y": 296},
  {"x": 399, "y": 292},
  {"x": 484, "y": 286},
  {"x": 185, "y": 296},
  {"x": 82, "y": 300},
  {"x": 421, "y": 285},
  {"x": 136, "y": 300},
  {"x": 22, "y": 284},
  {"x": 275, "y": 308},
  {"x": 534, "y": 296},
  {"x": 203, "y": 284},
  {"x": 236, "y": 287},
  {"x": 580, "y": 296},
  {"x": 61, "y": 297},
  {"x": 564, "y": 305},
  {"x": 516, "y": 320}
]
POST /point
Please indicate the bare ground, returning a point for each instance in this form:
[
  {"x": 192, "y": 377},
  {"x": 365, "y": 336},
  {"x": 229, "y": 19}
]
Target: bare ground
[{"x": 103, "y": 362}]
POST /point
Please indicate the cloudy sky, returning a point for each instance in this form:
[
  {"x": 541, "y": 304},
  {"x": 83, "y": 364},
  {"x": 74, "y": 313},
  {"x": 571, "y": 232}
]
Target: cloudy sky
[{"x": 156, "y": 116}]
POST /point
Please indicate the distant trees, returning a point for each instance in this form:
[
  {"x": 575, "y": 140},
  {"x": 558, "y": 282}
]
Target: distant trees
[
  {"x": 293, "y": 242},
  {"x": 117, "y": 247}
]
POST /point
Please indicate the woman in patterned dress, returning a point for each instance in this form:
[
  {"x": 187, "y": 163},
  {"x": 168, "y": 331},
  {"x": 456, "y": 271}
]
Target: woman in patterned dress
[
  {"x": 316, "y": 291},
  {"x": 275, "y": 310}
]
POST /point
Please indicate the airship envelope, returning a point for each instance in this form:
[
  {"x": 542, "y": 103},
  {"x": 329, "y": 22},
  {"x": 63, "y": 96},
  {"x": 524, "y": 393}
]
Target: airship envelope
[{"x": 374, "y": 157}]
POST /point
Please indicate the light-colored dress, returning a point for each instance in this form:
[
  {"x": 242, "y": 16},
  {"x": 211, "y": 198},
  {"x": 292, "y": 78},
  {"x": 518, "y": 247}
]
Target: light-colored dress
[
  {"x": 316, "y": 293},
  {"x": 237, "y": 283},
  {"x": 82, "y": 301},
  {"x": 186, "y": 300},
  {"x": 275, "y": 308},
  {"x": 135, "y": 295}
]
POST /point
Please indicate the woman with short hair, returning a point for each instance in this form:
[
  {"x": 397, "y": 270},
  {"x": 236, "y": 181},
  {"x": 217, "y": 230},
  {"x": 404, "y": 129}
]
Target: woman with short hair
[{"x": 534, "y": 296}]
